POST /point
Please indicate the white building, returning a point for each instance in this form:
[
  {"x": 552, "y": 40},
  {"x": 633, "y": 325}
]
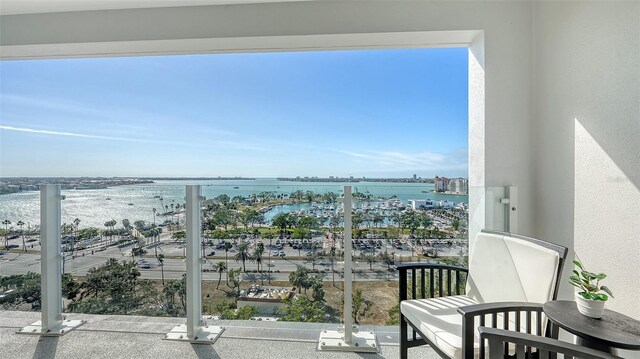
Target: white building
[
  {"x": 440, "y": 184},
  {"x": 267, "y": 299},
  {"x": 420, "y": 203},
  {"x": 458, "y": 186}
]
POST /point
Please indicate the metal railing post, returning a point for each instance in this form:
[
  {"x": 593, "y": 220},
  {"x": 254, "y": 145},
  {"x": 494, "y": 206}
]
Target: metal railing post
[
  {"x": 348, "y": 265},
  {"x": 52, "y": 322},
  {"x": 348, "y": 338},
  {"x": 196, "y": 330}
]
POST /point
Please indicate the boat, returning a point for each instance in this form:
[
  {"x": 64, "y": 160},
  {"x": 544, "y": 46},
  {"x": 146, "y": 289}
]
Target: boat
[
  {"x": 108, "y": 198},
  {"x": 130, "y": 204},
  {"x": 236, "y": 187}
]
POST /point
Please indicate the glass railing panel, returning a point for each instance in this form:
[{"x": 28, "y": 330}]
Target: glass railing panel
[
  {"x": 278, "y": 242},
  {"x": 20, "y": 251},
  {"x": 122, "y": 250},
  {"x": 260, "y": 239}
]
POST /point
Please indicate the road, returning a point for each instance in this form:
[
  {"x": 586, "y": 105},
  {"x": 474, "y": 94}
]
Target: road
[{"x": 174, "y": 265}]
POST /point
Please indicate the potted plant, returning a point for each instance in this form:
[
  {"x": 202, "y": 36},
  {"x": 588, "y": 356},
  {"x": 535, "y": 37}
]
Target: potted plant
[{"x": 592, "y": 296}]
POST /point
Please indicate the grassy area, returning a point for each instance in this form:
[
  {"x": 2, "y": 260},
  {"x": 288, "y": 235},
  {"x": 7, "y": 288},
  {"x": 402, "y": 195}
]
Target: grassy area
[{"x": 382, "y": 294}]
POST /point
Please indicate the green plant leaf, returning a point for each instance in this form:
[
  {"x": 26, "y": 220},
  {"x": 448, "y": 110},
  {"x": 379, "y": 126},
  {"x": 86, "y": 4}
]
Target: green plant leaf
[
  {"x": 601, "y": 276},
  {"x": 585, "y": 295},
  {"x": 606, "y": 289},
  {"x": 578, "y": 264},
  {"x": 601, "y": 296},
  {"x": 576, "y": 273}
]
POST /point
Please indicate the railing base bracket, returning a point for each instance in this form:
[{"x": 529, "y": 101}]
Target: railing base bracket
[
  {"x": 207, "y": 335},
  {"x": 362, "y": 342},
  {"x": 61, "y": 329}
]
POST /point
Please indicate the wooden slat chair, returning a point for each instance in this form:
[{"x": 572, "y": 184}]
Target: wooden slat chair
[
  {"x": 508, "y": 279},
  {"x": 546, "y": 348}
]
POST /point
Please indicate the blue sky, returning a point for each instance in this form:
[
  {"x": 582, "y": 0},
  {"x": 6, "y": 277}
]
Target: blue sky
[{"x": 374, "y": 113}]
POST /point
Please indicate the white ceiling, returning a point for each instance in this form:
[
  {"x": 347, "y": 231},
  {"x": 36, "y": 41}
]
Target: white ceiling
[{"x": 14, "y": 7}]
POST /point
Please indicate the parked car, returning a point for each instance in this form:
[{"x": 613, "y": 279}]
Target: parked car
[{"x": 282, "y": 254}]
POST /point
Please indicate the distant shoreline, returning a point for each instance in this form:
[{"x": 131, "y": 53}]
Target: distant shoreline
[{"x": 355, "y": 180}]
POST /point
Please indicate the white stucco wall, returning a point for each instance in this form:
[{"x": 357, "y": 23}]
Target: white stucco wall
[{"x": 586, "y": 123}]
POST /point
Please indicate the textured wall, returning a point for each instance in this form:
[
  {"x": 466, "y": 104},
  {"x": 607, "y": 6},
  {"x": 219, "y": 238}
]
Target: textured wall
[{"x": 586, "y": 123}]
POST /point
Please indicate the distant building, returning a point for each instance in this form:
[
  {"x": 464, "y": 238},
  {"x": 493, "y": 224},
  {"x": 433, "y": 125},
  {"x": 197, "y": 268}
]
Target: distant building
[
  {"x": 415, "y": 176},
  {"x": 451, "y": 185},
  {"x": 267, "y": 299},
  {"x": 458, "y": 186},
  {"x": 440, "y": 184},
  {"x": 421, "y": 203},
  {"x": 444, "y": 204}
]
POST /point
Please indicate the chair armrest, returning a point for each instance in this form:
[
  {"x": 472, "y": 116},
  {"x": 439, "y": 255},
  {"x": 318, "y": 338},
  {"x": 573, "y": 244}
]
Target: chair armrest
[
  {"x": 498, "y": 307},
  {"x": 499, "y": 337},
  {"x": 429, "y": 280},
  {"x": 475, "y": 315}
]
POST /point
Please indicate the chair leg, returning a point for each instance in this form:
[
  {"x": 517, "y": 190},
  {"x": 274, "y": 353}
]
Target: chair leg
[{"x": 403, "y": 338}]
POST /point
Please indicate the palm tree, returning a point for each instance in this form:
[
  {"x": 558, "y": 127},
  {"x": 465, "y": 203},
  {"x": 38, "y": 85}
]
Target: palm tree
[
  {"x": 243, "y": 255},
  {"x": 6, "y": 223},
  {"x": 154, "y": 215},
  {"x": 220, "y": 267},
  {"x": 24, "y": 245},
  {"x": 227, "y": 247},
  {"x": 300, "y": 278},
  {"x": 160, "y": 258},
  {"x": 257, "y": 256},
  {"x": 76, "y": 222}
]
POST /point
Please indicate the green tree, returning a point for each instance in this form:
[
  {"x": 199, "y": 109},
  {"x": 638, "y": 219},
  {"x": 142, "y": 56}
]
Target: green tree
[
  {"x": 243, "y": 255},
  {"x": 26, "y": 290},
  {"x": 300, "y": 278},
  {"x": 370, "y": 259},
  {"x": 234, "y": 279},
  {"x": 175, "y": 293},
  {"x": 160, "y": 258},
  {"x": 455, "y": 224},
  {"x": 24, "y": 245},
  {"x": 315, "y": 283},
  {"x": 223, "y": 199},
  {"x": 302, "y": 309},
  {"x": 307, "y": 222},
  {"x": 221, "y": 267},
  {"x": 361, "y": 306},
  {"x": 109, "y": 289},
  {"x": 6, "y": 224},
  {"x": 223, "y": 217},
  {"x": 309, "y": 196},
  {"x": 411, "y": 220},
  {"x": 257, "y": 254},
  {"x": 227, "y": 247},
  {"x": 283, "y": 221}
]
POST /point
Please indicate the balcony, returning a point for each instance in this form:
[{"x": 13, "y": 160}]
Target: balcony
[{"x": 560, "y": 121}]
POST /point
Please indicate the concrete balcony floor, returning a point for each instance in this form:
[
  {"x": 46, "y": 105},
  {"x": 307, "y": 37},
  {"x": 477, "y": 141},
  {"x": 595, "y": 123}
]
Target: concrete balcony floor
[{"x": 114, "y": 336}]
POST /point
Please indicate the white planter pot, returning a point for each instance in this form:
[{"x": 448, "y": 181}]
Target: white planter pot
[{"x": 590, "y": 308}]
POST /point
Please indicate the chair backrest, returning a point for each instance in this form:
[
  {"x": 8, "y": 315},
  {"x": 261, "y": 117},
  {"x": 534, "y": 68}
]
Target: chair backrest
[{"x": 509, "y": 267}]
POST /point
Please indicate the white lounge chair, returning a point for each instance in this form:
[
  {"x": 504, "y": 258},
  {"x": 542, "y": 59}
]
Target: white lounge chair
[{"x": 508, "y": 279}]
